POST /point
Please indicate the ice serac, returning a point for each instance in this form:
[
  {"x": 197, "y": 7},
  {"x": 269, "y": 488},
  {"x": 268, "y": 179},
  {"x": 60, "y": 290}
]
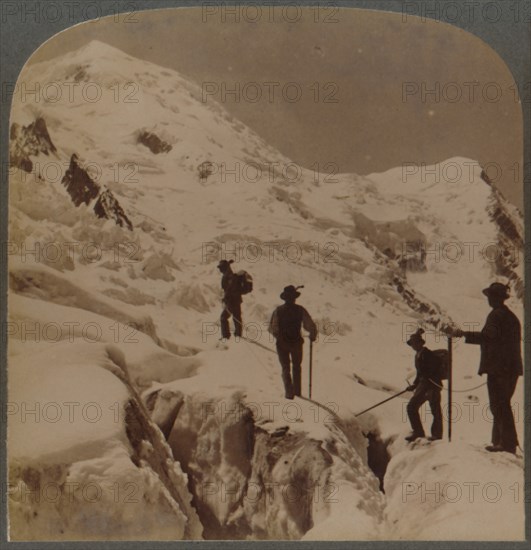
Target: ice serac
[
  {"x": 252, "y": 477},
  {"x": 98, "y": 469},
  {"x": 43, "y": 283}
]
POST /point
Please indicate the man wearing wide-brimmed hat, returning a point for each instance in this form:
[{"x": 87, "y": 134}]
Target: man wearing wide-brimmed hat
[
  {"x": 232, "y": 300},
  {"x": 427, "y": 387},
  {"x": 501, "y": 360},
  {"x": 285, "y": 326}
]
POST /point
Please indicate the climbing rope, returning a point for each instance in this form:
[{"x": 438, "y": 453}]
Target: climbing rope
[
  {"x": 258, "y": 344},
  {"x": 333, "y": 414},
  {"x": 256, "y": 356},
  {"x": 457, "y": 391},
  {"x": 324, "y": 407}
]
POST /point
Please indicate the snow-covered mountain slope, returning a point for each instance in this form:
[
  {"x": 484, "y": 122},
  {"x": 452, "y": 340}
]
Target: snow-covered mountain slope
[
  {"x": 109, "y": 471},
  {"x": 115, "y": 234}
]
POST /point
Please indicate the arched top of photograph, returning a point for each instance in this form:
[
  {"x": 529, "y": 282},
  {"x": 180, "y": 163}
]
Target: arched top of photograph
[{"x": 360, "y": 92}]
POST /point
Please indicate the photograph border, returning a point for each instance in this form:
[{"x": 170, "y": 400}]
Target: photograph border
[{"x": 20, "y": 37}]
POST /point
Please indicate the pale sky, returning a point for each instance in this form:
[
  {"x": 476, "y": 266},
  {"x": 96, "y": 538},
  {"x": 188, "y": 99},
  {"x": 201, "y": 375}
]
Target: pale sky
[{"x": 363, "y": 61}]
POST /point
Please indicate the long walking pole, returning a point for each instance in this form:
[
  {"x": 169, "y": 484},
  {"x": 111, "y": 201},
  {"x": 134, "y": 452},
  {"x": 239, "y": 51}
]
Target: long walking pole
[
  {"x": 449, "y": 388},
  {"x": 311, "y": 366}
]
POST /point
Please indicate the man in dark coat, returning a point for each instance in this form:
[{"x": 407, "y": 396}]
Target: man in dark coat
[
  {"x": 232, "y": 300},
  {"x": 285, "y": 326},
  {"x": 501, "y": 361},
  {"x": 427, "y": 387}
]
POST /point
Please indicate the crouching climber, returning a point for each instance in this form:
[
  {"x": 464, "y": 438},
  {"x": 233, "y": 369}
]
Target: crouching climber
[{"x": 426, "y": 387}]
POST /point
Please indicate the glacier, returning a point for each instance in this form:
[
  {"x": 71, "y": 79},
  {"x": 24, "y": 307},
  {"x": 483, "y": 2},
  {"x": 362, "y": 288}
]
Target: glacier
[{"x": 128, "y": 420}]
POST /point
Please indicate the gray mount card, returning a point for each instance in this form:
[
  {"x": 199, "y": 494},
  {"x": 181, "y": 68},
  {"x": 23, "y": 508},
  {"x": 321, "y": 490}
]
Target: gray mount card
[{"x": 264, "y": 273}]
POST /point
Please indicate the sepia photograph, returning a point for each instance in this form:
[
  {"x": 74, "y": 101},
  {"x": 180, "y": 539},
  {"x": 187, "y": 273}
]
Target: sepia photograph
[{"x": 266, "y": 278}]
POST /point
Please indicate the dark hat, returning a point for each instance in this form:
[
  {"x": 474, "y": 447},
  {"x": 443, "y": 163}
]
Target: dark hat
[
  {"x": 497, "y": 289},
  {"x": 290, "y": 292},
  {"x": 224, "y": 263},
  {"x": 416, "y": 337}
]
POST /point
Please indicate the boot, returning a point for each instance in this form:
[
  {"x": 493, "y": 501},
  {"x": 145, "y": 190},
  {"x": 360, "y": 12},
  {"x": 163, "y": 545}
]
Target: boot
[
  {"x": 494, "y": 448},
  {"x": 500, "y": 449}
]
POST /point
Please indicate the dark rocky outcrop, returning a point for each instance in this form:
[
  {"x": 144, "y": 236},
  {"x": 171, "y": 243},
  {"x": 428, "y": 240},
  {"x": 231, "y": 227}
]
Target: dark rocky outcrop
[
  {"x": 510, "y": 245},
  {"x": 107, "y": 206},
  {"x": 33, "y": 140},
  {"x": 28, "y": 141},
  {"x": 510, "y": 248},
  {"x": 430, "y": 312},
  {"x": 205, "y": 169},
  {"x": 79, "y": 73},
  {"x": 154, "y": 143},
  {"x": 83, "y": 190},
  {"x": 80, "y": 186}
]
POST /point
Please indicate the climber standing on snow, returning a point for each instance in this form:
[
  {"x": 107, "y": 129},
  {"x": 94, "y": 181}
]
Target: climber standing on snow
[
  {"x": 232, "y": 300},
  {"x": 427, "y": 387},
  {"x": 285, "y": 326},
  {"x": 501, "y": 360}
]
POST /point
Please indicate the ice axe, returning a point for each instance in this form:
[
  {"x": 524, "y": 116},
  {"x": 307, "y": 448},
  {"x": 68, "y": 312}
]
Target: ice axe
[{"x": 382, "y": 402}]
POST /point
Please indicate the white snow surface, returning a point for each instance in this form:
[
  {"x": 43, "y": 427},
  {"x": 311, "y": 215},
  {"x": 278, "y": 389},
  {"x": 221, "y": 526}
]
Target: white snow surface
[
  {"x": 139, "y": 312},
  {"x": 74, "y": 472}
]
